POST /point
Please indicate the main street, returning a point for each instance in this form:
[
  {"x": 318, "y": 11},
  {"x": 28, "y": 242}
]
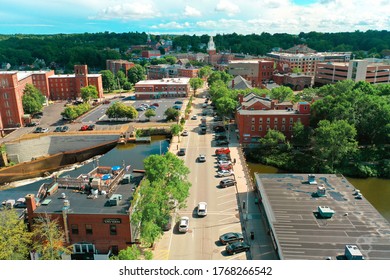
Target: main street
[{"x": 201, "y": 241}]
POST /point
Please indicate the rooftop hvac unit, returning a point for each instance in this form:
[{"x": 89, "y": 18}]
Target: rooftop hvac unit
[
  {"x": 321, "y": 191},
  {"x": 115, "y": 199},
  {"x": 66, "y": 203},
  {"x": 352, "y": 252},
  {"x": 312, "y": 179}
]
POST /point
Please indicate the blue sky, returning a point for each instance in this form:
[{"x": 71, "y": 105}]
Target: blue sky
[{"x": 192, "y": 17}]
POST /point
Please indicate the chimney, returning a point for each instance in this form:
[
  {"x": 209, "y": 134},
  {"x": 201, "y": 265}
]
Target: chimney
[
  {"x": 240, "y": 97},
  {"x": 31, "y": 206}
]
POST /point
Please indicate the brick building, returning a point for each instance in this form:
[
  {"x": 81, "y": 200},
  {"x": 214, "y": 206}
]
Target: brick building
[
  {"x": 292, "y": 80},
  {"x": 95, "y": 224},
  {"x": 151, "y": 54},
  {"x": 356, "y": 70},
  {"x": 256, "y": 115},
  {"x": 161, "y": 71},
  {"x": 114, "y": 65},
  {"x": 54, "y": 87},
  {"x": 163, "y": 88},
  {"x": 256, "y": 71}
]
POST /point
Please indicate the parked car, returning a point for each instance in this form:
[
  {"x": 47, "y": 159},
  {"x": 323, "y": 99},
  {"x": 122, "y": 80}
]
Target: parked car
[
  {"x": 227, "y": 183},
  {"x": 222, "y": 142},
  {"x": 204, "y": 105},
  {"x": 155, "y": 105},
  {"x": 231, "y": 237},
  {"x": 58, "y": 129},
  {"x": 222, "y": 151},
  {"x": 91, "y": 127},
  {"x": 225, "y": 167},
  {"x": 218, "y": 128},
  {"x": 184, "y": 224},
  {"x": 184, "y": 133},
  {"x": 225, "y": 173},
  {"x": 178, "y": 102},
  {"x": 220, "y": 137},
  {"x": 140, "y": 109},
  {"x": 106, "y": 101},
  {"x": 154, "y": 108},
  {"x": 223, "y": 157},
  {"x": 224, "y": 162},
  {"x": 202, "y": 209},
  {"x": 194, "y": 117},
  {"x": 32, "y": 124},
  {"x": 201, "y": 158},
  {"x": 217, "y": 118},
  {"x": 84, "y": 127},
  {"x": 40, "y": 130},
  {"x": 182, "y": 152},
  {"x": 65, "y": 129},
  {"x": 177, "y": 107},
  {"x": 237, "y": 247}
]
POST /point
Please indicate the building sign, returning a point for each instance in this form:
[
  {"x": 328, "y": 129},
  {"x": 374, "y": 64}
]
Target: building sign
[{"x": 112, "y": 221}]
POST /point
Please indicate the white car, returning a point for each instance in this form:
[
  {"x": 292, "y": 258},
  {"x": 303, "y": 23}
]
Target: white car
[
  {"x": 202, "y": 209},
  {"x": 194, "y": 117},
  {"x": 224, "y": 162},
  {"x": 201, "y": 158},
  {"x": 184, "y": 224},
  {"x": 225, "y": 173},
  {"x": 184, "y": 133}
]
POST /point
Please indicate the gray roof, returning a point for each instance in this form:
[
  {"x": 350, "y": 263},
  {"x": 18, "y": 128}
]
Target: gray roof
[
  {"x": 239, "y": 83},
  {"x": 301, "y": 233}
]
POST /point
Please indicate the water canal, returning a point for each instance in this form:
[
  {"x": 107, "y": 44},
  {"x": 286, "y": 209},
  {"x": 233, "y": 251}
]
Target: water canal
[{"x": 376, "y": 190}]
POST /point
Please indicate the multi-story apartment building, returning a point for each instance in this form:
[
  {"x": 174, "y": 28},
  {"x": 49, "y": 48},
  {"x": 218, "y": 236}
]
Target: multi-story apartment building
[
  {"x": 306, "y": 62},
  {"x": 356, "y": 70},
  {"x": 114, "y": 65},
  {"x": 256, "y": 71},
  {"x": 54, "y": 87},
  {"x": 163, "y": 88},
  {"x": 256, "y": 115}
]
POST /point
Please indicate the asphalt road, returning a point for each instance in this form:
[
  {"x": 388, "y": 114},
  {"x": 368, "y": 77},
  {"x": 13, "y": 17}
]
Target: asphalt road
[{"x": 201, "y": 241}]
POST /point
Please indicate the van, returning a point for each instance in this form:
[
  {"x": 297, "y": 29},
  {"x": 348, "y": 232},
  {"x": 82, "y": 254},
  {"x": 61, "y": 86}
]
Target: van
[{"x": 202, "y": 209}]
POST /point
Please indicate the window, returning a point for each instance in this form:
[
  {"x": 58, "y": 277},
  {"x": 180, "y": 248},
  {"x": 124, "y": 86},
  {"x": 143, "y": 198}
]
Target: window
[
  {"x": 290, "y": 128},
  {"x": 283, "y": 128},
  {"x": 83, "y": 248},
  {"x": 291, "y": 120},
  {"x": 75, "y": 229},
  {"x": 113, "y": 230},
  {"x": 260, "y": 128},
  {"x": 283, "y": 120},
  {"x": 252, "y": 128},
  {"x": 275, "y": 127},
  {"x": 253, "y": 120},
  {"x": 261, "y": 120},
  {"x": 88, "y": 229},
  {"x": 268, "y": 127},
  {"x": 6, "y": 103},
  {"x": 268, "y": 120},
  {"x": 5, "y": 95},
  {"x": 276, "y": 121},
  {"x": 8, "y": 113}
]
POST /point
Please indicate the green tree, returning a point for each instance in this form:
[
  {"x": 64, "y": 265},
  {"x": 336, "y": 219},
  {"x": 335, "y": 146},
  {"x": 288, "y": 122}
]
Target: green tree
[
  {"x": 171, "y": 114},
  {"x": 300, "y": 135},
  {"x": 49, "y": 239},
  {"x": 88, "y": 93},
  {"x": 121, "y": 78},
  {"x": 130, "y": 253},
  {"x": 176, "y": 129},
  {"x": 205, "y": 72},
  {"x": 272, "y": 139},
  {"x": 226, "y": 106},
  {"x": 15, "y": 240},
  {"x": 32, "y": 100},
  {"x": 171, "y": 59},
  {"x": 70, "y": 113},
  {"x": 119, "y": 110},
  {"x": 136, "y": 74},
  {"x": 150, "y": 113},
  {"x": 127, "y": 86},
  {"x": 334, "y": 141},
  {"x": 282, "y": 93},
  {"x": 108, "y": 80},
  {"x": 196, "y": 83}
]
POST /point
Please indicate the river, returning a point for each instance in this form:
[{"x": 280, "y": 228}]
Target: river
[
  {"x": 128, "y": 154},
  {"x": 375, "y": 190}
]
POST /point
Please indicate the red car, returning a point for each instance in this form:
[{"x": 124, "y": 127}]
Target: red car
[
  {"x": 84, "y": 128},
  {"x": 225, "y": 167},
  {"x": 222, "y": 151},
  {"x": 155, "y": 105}
]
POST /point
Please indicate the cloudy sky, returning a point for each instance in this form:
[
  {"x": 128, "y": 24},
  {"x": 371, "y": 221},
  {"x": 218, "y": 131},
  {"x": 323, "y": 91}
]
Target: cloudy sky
[{"x": 192, "y": 17}]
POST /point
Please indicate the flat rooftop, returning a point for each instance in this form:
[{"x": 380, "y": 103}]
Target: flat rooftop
[
  {"x": 81, "y": 204},
  {"x": 300, "y": 233},
  {"x": 165, "y": 81}
]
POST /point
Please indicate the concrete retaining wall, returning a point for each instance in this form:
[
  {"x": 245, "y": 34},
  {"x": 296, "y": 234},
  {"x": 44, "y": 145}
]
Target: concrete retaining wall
[{"x": 27, "y": 150}]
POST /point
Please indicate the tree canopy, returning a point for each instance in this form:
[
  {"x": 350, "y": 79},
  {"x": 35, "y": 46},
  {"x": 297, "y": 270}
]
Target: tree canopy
[
  {"x": 32, "y": 99},
  {"x": 136, "y": 74},
  {"x": 196, "y": 83},
  {"x": 119, "y": 110},
  {"x": 171, "y": 114},
  {"x": 88, "y": 93}
]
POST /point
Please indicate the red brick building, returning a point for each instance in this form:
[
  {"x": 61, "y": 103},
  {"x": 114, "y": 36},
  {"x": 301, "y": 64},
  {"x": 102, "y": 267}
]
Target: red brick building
[
  {"x": 256, "y": 71},
  {"x": 256, "y": 115},
  {"x": 114, "y": 65},
  {"x": 164, "y": 88},
  {"x": 54, "y": 87},
  {"x": 292, "y": 80},
  {"x": 151, "y": 54}
]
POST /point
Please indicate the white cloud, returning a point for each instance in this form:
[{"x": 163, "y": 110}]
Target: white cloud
[
  {"x": 227, "y": 7},
  {"x": 191, "y": 12},
  {"x": 171, "y": 25},
  {"x": 129, "y": 11}
]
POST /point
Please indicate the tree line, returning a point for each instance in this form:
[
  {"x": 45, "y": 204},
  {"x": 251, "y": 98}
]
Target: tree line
[{"x": 62, "y": 51}]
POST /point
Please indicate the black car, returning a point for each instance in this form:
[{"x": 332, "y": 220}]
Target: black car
[
  {"x": 64, "y": 129},
  {"x": 217, "y": 118},
  {"x": 220, "y": 137},
  {"x": 91, "y": 127},
  {"x": 227, "y": 183},
  {"x": 237, "y": 247},
  {"x": 182, "y": 152},
  {"x": 231, "y": 237},
  {"x": 32, "y": 124},
  {"x": 222, "y": 142},
  {"x": 219, "y": 128},
  {"x": 58, "y": 129}
]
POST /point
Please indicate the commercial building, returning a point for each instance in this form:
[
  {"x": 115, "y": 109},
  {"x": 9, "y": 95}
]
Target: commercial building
[
  {"x": 171, "y": 71},
  {"x": 53, "y": 87},
  {"x": 321, "y": 217},
  {"x": 356, "y": 70},
  {"x": 293, "y": 80},
  {"x": 306, "y": 62},
  {"x": 93, "y": 210},
  {"x": 256, "y": 115},
  {"x": 114, "y": 65},
  {"x": 163, "y": 88},
  {"x": 256, "y": 71}
]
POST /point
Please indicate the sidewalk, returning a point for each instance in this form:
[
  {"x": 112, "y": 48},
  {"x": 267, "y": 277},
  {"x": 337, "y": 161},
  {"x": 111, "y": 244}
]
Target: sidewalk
[{"x": 251, "y": 217}]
